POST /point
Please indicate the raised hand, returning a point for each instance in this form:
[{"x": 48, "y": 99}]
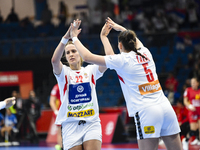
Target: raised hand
[
  {"x": 114, "y": 25},
  {"x": 67, "y": 34},
  {"x": 74, "y": 32},
  {"x": 105, "y": 29}
]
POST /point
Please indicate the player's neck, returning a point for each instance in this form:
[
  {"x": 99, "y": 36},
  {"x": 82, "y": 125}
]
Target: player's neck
[{"x": 75, "y": 67}]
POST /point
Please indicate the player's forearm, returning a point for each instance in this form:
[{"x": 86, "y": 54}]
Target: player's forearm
[
  {"x": 121, "y": 28},
  {"x": 107, "y": 46},
  {"x": 57, "y": 55},
  {"x": 186, "y": 102},
  {"x": 83, "y": 51},
  {"x": 53, "y": 105}
]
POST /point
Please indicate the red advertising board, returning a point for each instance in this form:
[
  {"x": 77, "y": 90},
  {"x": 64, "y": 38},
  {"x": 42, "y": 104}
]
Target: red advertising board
[
  {"x": 108, "y": 124},
  {"x": 23, "y": 79}
]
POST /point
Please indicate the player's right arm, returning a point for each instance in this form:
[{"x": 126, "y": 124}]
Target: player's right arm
[
  {"x": 118, "y": 27},
  {"x": 57, "y": 55},
  {"x": 105, "y": 41}
]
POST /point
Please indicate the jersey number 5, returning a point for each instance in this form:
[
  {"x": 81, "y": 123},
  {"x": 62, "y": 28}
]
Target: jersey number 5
[{"x": 148, "y": 72}]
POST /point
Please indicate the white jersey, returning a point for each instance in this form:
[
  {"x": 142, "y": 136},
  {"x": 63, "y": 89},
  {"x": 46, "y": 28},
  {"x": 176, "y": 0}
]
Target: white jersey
[
  {"x": 78, "y": 94},
  {"x": 138, "y": 79}
]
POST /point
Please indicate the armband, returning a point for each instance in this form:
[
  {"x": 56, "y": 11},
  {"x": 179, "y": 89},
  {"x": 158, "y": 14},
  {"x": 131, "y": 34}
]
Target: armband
[
  {"x": 64, "y": 41},
  {"x": 74, "y": 39}
]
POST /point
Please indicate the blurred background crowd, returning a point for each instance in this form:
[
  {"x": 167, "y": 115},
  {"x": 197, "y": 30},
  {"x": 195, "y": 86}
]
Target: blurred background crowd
[{"x": 169, "y": 28}]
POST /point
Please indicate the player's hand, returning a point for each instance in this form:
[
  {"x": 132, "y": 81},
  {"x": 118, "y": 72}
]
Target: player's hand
[
  {"x": 56, "y": 112},
  {"x": 114, "y": 25},
  {"x": 105, "y": 29},
  {"x": 67, "y": 34},
  {"x": 10, "y": 101},
  {"x": 74, "y": 32},
  {"x": 191, "y": 107}
]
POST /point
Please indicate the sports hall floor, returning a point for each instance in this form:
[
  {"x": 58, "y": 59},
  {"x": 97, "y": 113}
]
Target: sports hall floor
[{"x": 42, "y": 145}]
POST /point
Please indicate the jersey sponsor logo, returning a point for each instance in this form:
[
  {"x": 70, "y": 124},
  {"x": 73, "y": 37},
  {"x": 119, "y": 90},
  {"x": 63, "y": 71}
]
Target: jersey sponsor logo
[
  {"x": 150, "y": 87},
  {"x": 79, "y": 93},
  {"x": 80, "y": 107},
  {"x": 85, "y": 113},
  {"x": 80, "y": 89},
  {"x": 149, "y": 130}
]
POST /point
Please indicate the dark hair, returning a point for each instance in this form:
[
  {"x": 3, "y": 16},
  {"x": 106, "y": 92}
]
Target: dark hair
[{"x": 128, "y": 40}]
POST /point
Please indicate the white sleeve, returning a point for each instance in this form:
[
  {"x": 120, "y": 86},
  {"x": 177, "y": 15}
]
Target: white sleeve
[
  {"x": 114, "y": 61},
  {"x": 61, "y": 76},
  {"x": 95, "y": 69},
  {"x": 2, "y": 105}
]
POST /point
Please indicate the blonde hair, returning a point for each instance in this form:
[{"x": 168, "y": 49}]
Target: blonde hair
[{"x": 64, "y": 56}]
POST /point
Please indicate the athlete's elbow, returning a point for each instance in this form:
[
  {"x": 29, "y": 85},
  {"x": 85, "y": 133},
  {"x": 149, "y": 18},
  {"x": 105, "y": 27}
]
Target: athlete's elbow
[
  {"x": 85, "y": 58},
  {"x": 53, "y": 60}
]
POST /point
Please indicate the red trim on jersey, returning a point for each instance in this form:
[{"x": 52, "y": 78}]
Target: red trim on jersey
[
  {"x": 93, "y": 80},
  {"x": 65, "y": 87},
  {"x": 121, "y": 79}
]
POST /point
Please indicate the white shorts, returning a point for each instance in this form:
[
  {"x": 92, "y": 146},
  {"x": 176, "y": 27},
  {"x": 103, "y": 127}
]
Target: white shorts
[
  {"x": 74, "y": 134},
  {"x": 156, "y": 121}
]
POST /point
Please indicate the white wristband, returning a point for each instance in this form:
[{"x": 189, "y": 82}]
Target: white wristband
[
  {"x": 64, "y": 41},
  {"x": 74, "y": 39},
  {"x": 56, "y": 112}
]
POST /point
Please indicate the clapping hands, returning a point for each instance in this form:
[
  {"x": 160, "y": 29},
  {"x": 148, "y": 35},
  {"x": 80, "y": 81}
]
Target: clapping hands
[{"x": 74, "y": 31}]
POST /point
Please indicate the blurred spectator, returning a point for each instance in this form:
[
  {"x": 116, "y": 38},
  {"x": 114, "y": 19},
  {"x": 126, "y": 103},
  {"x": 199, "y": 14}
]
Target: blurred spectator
[
  {"x": 126, "y": 16},
  {"x": 182, "y": 116},
  {"x": 195, "y": 72},
  {"x": 171, "y": 82},
  {"x": 12, "y": 17},
  {"x": 33, "y": 110},
  {"x": 172, "y": 25},
  {"x": 192, "y": 14},
  {"x": 169, "y": 93},
  {"x": 192, "y": 103},
  {"x": 63, "y": 12},
  {"x": 25, "y": 22},
  {"x": 73, "y": 17},
  {"x": 186, "y": 41},
  {"x": 84, "y": 23},
  {"x": 46, "y": 15},
  {"x": 96, "y": 20},
  {"x": 10, "y": 124},
  {"x": 144, "y": 22},
  {"x": 160, "y": 21},
  {"x": 19, "y": 111},
  {"x": 18, "y": 107},
  {"x": 191, "y": 60}
]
